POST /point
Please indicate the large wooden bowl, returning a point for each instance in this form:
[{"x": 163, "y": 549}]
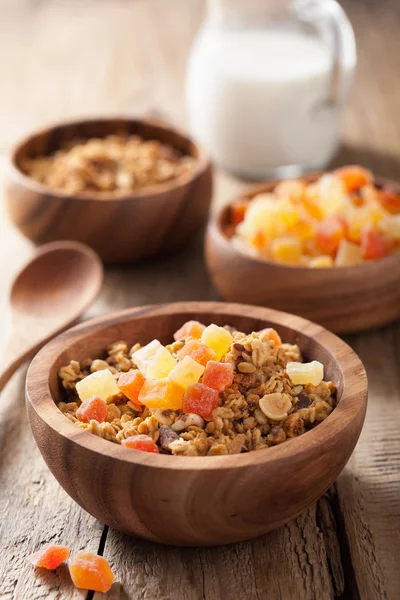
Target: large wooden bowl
[
  {"x": 195, "y": 501},
  {"x": 121, "y": 227},
  {"x": 343, "y": 299}
]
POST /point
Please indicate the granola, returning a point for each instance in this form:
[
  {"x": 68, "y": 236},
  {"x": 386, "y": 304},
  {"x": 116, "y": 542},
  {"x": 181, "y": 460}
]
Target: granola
[{"x": 249, "y": 402}]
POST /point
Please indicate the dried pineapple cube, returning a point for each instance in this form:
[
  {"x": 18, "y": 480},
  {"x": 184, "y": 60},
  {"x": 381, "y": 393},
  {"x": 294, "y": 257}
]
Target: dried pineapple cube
[
  {"x": 145, "y": 355},
  {"x": 321, "y": 262},
  {"x": 161, "y": 364},
  {"x": 218, "y": 339},
  {"x": 304, "y": 373},
  {"x": 101, "y": 384},
  {"x": 348, "y": 254},
  {"x": 187, "y": 371},
  {"x": 161, "y": 393}
]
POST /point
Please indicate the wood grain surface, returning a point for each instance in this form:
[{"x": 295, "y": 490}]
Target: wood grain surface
[{"x": 72, "y": 58}]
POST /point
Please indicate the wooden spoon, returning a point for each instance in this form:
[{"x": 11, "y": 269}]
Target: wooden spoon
[{"x": 47, "y": 296}]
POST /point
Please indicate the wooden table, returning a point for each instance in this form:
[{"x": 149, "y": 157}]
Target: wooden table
[{"x": 71, "y": 58}]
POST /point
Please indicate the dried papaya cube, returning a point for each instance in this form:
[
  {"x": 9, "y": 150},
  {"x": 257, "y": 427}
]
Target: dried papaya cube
[
  {"x": 91, "y": 572},
  {"x": 304, "y": 373},
  {"x": 187, "y": 371},
  {"x": 130, "y": 384},
  {"x": 286, "y": 249},
  {"x": 200, "y": 352},
  {"x": 193, "y": 329},
  {"x": 161, "y": 393},
  {"x": 389, "y": 199},
  {"x": 218, "y": 375},
  {"x": 161, "y": 364},
  {"x": 272, "y": 336},
  {"x": 141, "y": 442},
  {"x": 50, "y": 556},
  {"x": 374, "y": 245},
  {"x": 200, "y": 400},
  {"x": 101, "y": 384},
  {"x": 145, "y": 355},
  {"x": 330, "y": 233},
  {"x": 92, "y": 408},
  {"x": 238, "y": 211},
  {"x": 354, "y": 177},
  {"x": 348, "y": 254},
  {"x": 217, "y": 338}
]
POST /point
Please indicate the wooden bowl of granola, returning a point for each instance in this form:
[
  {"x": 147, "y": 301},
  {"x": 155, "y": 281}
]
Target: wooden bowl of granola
[
  {"x": 344, "y": 299},
  {"x": 195, "y": 500},
  {"x": 128, "y": 188}
]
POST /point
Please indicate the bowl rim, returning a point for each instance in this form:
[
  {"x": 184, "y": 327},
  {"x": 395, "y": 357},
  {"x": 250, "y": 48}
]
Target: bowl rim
[
  {"x": 202, "y": 162},
  {"x": 351, "y": 404},
  {"x": 217, "y": 227}
]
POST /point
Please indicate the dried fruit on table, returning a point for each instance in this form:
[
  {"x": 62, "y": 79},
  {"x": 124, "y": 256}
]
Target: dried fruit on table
[
  {"x": 330, "y": 232},
  {"x": 193, "y": 329},
  {"x": 200, "y": 352},
  {"x": 130, "y": 384},
  {"x": 286, "y": 249},
  {"x": 141, "y": 442},
  {"x": 217, "y": 338},
  {"x": 101, "y": 384},
  {"x": 153, "y": 360},
  {"x": 275, "y": 406},
  {"x": 218, "y": 375},
  {"x": 321, "y": 262},
  {"x": 50, "y": 556},
  {"x": 187, "y": 371},
  {"x": 391, "y": 227},
  {"x": 348, "y": 254},
  {"x": 91, "y": 572},
  {"x": 161, "y": 393},
  {"x": 200, "y": 399},
  {"x": 374, "y": 245},
  {"x": 272, "y": 336},
  {"x": 304, "y": 373},
  {"x": 92, "y": 408},
  {"x": 354, "y": 177}
]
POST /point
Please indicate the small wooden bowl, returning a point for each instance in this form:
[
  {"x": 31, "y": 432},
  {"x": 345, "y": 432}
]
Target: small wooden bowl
[
  {"x": 195, "y": 501},
  {"x": 121, "y": 227},
  {"x": 342, "y": 299}
]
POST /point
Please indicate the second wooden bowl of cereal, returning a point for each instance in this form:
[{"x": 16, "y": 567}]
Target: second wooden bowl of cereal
[
  {"x": 349, "y": 281},
  {"x": 234, "y": 467},
  {"x": 129, "y": 188}
]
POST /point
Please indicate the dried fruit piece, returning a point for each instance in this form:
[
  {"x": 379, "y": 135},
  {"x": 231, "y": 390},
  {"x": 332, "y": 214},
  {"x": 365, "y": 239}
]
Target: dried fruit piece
[
  {"x": 187, "y": 371},
  {"x": 218, "y": 375},
  {"x": 391, "y": 227},
  {"x": 389, "y": 199},
  {"x": 321, "y": 262},
  {"x": 92, "y": 408},
  {"x": 330, "y": 233},
  {"x": 259, "y": 240},
  {"x": 304, "y": 373},
  {"x": 161, "y": 393},
  {"x": 200, "y": 352},
  {"x": 130, "y": 384},
  {"x": 348, "y": 254},
  {"x": 354, "y": 177},
  {"x": 286, "y": 249},
  {"x": 374, "y": 244},
  {"x": 272, "y": 336},
  {"x": 145, "y": 355},
  {"x": 292, "y": 188},
  {"x": 101, "y": 384},
  {"x": 217, "y": 338},
  {"x": 50, "y": 556},
  {"x": 275, "y": 406},
  {"x": 238, "y": 211},
  {"x": 193, "y": 329},
  {"x": 161, "y": 364},
  {"x": 141, "y": 442},
  {"x": 91, "y": 572},
  {"x": 200, "y": 399}
]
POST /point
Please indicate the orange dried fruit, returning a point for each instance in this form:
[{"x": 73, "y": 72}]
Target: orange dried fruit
[
  {"x": 193, "y": 329},
  {"x": 218, "y": 375},
  {"x": 92, "y": 408},
  {"x": 200, "y": 352},
  {"x": 91, "y": 572},
  {"x": 200, "y": 400},
  {"x": 272, "y": 336},
  {"x": 389, "y": 199},
  {"x": 354, "y": 177},
  {"x": 238, "y": 211},
  {"x": 130, "y": 384},
  {"x": 50, "y": 556},
  {"x": 374, "y": 244},
  {"x": 141, "y": 442},
  {"x": 330, "y": 233}
]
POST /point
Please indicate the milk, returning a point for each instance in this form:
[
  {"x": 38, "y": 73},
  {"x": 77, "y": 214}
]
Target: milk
[{"x": 257, "y": 100}]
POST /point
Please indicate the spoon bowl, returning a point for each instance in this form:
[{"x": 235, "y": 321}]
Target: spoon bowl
[{"x": 47, "y": 296}]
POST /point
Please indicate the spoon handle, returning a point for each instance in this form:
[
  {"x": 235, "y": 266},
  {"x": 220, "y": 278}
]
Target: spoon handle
[{"x": 13, "y": 357}]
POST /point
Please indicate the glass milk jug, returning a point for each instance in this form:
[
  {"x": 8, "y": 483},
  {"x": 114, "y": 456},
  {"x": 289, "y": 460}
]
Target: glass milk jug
[{"x": 266, "y": 84}]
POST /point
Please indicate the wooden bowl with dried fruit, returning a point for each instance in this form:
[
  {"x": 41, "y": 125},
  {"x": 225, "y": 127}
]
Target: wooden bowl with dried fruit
[
  {"x": 325, "y": 247},
  {"x": 128, "y": 188},
  {"x": 224, "y": 434}
]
